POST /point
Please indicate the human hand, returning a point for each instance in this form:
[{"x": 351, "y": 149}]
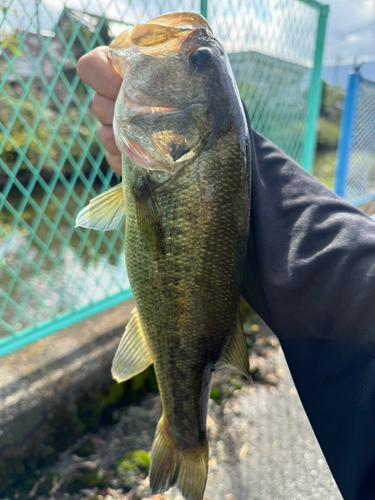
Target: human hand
[{"x": 96, "y": 70}]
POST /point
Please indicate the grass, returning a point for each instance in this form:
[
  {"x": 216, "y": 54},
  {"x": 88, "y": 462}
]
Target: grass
[{"x": 324, "y": 167}]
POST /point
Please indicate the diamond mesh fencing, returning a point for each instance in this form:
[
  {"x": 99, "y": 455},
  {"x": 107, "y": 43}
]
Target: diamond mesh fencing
[
  {"x": 357, "y": 166},
  {"x": 52, "y": 163}
]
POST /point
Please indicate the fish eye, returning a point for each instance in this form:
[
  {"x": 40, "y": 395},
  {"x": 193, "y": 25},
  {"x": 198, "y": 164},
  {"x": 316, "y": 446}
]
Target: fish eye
[{"x": 200, "y": 57}]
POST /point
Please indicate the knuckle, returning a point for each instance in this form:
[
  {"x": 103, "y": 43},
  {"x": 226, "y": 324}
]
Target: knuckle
[{"x": 101, "y": 133}]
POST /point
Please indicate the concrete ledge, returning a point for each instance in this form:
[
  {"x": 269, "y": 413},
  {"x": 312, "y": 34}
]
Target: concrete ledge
[{"x": 51, "y": 372}]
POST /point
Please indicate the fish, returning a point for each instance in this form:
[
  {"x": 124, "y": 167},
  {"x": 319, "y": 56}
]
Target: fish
[{"x": 185, "y": 192}]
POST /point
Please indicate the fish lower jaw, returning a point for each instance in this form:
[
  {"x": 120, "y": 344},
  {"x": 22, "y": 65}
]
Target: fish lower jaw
[{"x": 130, "y": 148}]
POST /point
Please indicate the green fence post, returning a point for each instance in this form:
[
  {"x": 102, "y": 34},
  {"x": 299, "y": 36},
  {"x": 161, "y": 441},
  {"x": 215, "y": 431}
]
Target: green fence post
[
  {"x": 20, "y": 339},
  {"x": 204, "y": 8},
  {"x": 315, "y": 93}
]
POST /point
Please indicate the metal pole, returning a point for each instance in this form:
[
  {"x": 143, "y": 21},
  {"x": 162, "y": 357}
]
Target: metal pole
[
  {"x": 346, "y": 133},
  {"x": 315, "y": 94},
  {"x": 204, "y": 8},
  {"x": 37, "y": 16}
]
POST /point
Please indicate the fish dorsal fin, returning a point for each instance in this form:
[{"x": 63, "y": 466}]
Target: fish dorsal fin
[
  {"x": 104, "y": 212},
  {"x": 236, "y": 355},
  {"x": 132, "y": 355}
]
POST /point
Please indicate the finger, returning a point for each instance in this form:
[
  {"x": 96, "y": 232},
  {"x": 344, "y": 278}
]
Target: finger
[
  {"x": 105, "y": 133},
  {"x": 96, "y": 70},
  {"x": 103, "y": 109},
  {"x": 114, "y": 161}
]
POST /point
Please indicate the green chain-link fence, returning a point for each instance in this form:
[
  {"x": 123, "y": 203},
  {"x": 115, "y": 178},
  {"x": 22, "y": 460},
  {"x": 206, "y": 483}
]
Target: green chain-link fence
[{"x": 51, "y": 162}]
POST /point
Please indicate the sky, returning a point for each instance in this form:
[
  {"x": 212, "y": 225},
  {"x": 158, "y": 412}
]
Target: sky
[
  {"x": 350, "y": 31},
  {"x": 274, "y": 27}
]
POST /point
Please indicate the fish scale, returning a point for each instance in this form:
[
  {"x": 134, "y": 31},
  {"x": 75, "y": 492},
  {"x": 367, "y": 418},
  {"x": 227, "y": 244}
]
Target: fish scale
[{"x": 199, "y": 267}]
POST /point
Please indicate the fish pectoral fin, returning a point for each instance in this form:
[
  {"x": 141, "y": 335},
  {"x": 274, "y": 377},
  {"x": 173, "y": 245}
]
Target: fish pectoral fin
[
  {"x": 237, "y": 355},
  {"x": 132, "y": 355},
  {"x": 172, "y": 465},
  {"x": 104, "y": 212}
]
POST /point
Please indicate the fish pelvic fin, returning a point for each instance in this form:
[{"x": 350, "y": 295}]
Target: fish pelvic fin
[
  {"x": 104, "y": 212},
  {"x": 172, "y": 465},
  {"x": 132, "y": 355},
  {"x": 236, "y": 355}
]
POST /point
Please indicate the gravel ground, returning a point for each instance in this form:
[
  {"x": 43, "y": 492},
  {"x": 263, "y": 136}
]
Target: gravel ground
[
  {"x": 261, "y": 444},
  {"x": 267, "y": 448}
]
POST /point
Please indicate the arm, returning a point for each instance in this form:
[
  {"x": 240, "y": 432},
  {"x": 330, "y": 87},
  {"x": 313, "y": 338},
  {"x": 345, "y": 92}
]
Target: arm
[{"x": 310, "y": 273}]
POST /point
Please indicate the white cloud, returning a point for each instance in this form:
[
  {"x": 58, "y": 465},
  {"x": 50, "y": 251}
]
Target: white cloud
[{"x": 350, "y": 31}]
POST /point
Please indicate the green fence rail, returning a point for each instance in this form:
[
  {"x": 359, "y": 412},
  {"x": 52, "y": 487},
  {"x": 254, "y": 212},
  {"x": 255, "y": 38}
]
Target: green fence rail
[{"x": 51, "y": 162}]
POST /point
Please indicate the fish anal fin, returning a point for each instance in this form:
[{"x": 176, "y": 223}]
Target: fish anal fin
[
  {"x": 237, "y": 355},
  {"x": 171, "y": 465},
  {"x": 104, "y": 212},
  {"x": 132, "y": 355}
]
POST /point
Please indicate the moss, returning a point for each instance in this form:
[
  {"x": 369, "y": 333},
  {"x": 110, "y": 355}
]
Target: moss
[
  {"x": 86, "y": 449},
  {"x": 236, "y": 384},
  {"x": 85, "y": 477},
  {"x": 65, "y": 427},
  {"x": 47, "y": 484},
  {"x": 10, "y": 469},
  {"x": 216, "y": 395},
  {"x": 138, "y": 459},
  {"x": 133, "y": 467},
  {"x": 93, "y": 409}
]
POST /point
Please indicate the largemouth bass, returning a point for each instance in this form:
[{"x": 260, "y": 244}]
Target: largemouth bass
[{"x": 185, "y": 191}]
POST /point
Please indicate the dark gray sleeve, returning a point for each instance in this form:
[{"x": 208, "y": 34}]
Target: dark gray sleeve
[{"x": 310, "y": 274}]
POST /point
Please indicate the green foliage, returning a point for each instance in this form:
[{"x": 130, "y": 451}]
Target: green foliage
[
  {"x": 50, "y": 136},
  {"x": 86, "y": 449},
  {"x": 9, "y": 469},
  {"x": 324, "y": 167},
  {"x": 11, "y": 42},
  {"x": 332, "y": 102},
  {"x": 85, "y": 477},
  {"x": 133, "y": 467},
  {"x": 247, "y": 314},
  {"x": 328, "y": 134},
  {"x": 138, "y": 459},
  {"x": 216, "y": 395},
  {"x": 330, "y": 117}
]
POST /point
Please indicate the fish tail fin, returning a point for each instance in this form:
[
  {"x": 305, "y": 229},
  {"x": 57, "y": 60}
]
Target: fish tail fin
[{"x": 172, "y": 465}]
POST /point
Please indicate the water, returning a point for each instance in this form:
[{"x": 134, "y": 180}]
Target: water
[{"x": 47, "y": 266}]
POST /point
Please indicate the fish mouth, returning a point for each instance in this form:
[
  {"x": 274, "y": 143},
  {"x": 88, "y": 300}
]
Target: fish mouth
[
  {"x": 129, "y": 122},
  {"x": 134, "y": 108},
  {"x": 154, "y": 136},
  {"x": 131, "y": 149}
]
